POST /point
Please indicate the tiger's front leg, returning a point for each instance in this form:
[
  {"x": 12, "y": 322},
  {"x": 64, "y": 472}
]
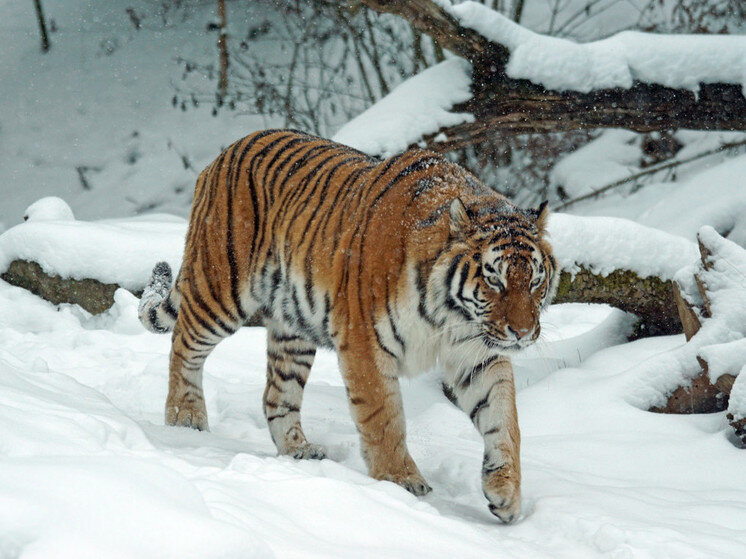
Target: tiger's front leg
[
  {"x": 376, "y": 405},
  {"x": 486, "y": 392}
]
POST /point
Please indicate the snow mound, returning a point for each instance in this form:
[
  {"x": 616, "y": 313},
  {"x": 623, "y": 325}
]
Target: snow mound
[
  {"x": 419, "y": 106},
  {"x": 110, "y": 251},
  {"x": 605, "y": 244},
  {"x": 707, "y": 191},
  {"x": 677, "y": 61},
  {"x": 715, "y": 197},
  {"x": 50, "y": 208},
  {"x": 737, "y": 401}
]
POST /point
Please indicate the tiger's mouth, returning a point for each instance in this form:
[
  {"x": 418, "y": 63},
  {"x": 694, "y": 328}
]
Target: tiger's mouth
[{"x": 510, "y": 346}]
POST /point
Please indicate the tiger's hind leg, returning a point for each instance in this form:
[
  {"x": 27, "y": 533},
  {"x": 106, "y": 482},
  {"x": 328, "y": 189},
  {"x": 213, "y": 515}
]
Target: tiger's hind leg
[
  {"x": 198, "y": 330},
  {"x": 289, "y": 360}
]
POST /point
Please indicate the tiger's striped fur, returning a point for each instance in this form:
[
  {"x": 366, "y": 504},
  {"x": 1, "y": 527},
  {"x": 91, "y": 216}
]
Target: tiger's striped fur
[{"x": 397, "y": 265}]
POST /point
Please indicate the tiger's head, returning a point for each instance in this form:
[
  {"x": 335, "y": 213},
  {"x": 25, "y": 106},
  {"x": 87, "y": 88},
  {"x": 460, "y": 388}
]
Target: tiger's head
[{"x": 498, "y": 273}]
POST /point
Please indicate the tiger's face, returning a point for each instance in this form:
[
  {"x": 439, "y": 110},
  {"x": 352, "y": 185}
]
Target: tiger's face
[{"x": 502, "y": 274}]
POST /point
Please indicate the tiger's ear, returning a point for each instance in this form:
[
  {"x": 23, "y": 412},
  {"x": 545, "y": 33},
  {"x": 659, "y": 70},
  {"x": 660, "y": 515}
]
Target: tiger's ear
[
  {"x": 540, "y": 215},
  {"x": 459, "y": 218}
]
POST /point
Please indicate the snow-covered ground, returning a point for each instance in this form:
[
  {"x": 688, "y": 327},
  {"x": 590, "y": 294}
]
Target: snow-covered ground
[{"x": 89, "y": 470}]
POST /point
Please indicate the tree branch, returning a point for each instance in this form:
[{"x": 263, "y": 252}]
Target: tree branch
[
  {"x": 429, "y": 18},
  {"x": 521, "y": 106}
]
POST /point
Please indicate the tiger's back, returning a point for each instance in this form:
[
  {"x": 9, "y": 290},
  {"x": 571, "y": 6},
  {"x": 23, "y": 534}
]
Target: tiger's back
[{"x": 341, "y": 250}]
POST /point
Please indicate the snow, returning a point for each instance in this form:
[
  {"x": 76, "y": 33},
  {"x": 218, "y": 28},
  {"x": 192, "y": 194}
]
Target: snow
[
  {"x": 715, "y": 197},
  {"x": 111, "y": 251},
  {"x": 676, "y": 61},
  {"x": 737, "y": 400},
  {"x": 610, "y": 157},
  {"x": 605, "y": 244},
  {"x": 722, "y": 359},
  {"x": 419, "y": 106},
  {"x": 710, "y": 191},
  {"x": 89, "y": 470},
  {"x": 100, "y": 101}
]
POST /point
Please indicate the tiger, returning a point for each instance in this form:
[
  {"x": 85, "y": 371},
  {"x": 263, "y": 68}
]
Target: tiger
[{"x": 400, "y": 265}]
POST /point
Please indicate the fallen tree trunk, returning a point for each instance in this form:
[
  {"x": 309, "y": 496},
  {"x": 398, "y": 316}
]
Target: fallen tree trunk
[
  {"x": 500, "y": 102},
  {"x": 94, "y": 296},
  {"x": 649, "y": 298}
]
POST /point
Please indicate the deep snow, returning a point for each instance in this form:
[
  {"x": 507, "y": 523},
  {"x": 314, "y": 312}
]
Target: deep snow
[{"x": 89, "y": 470}]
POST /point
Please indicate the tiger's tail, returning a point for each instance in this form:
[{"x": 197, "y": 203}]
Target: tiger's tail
[{"x": 159, "y": 304}]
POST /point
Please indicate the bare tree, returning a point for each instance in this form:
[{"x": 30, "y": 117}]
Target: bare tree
[
  {"x": 45, "y": 45},
  {"x": 223, "y": 52}
]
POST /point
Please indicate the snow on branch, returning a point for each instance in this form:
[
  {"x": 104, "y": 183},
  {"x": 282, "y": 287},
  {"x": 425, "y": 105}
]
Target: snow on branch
[
  {"x": 674, "y": 61},
  {"x": 527, "y": 82}
]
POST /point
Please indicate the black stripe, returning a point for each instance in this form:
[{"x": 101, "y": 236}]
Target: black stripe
[
  {"x": 154, "y": 322},
  {"x": 477, "y": 408},
  {"x": 286, "y": 377},
  {"x": 168, "y": 308},
  {"x": 381, "y": 344},
  {"x": 476, "y": 371}
]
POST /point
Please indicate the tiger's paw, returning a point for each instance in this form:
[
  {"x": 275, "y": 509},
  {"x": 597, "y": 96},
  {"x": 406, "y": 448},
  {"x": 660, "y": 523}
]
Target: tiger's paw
[
  {"x": 503, "y": 491},
  {"x": 414, "y": 483},
  {"x": 307, "y": 451},
  {"x": 187, "y": 415}
]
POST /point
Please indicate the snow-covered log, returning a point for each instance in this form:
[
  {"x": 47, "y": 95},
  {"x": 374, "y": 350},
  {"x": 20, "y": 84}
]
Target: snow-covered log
[
  {"x": 526, "y": 82},
  {"x": 700, "y": 375},
  {"x": 623, "y": 264},
  {"x": 603, "y": 260}
]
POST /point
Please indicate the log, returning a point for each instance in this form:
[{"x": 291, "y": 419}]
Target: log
[
  {"x": 651, "y": 298},
  {"x": 739, "y": 427},
  {"x": 94, "y": 296},
  {"x": 427, "y": 17},
  {"x": 523, "y": 107},
  {"x": 502, "y": 103},
  {"x": 702, "y": 396}
]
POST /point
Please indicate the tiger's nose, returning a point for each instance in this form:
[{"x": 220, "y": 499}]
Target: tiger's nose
[{"x": 520, "y": 332}]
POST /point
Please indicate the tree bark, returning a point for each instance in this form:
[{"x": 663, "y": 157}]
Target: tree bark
[
  {"x": 503, "y": 103},
  {"x": 432, "y": 20}
]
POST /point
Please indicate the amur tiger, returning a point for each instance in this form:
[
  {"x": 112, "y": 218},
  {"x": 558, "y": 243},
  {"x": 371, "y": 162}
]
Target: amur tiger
[{"x": 398, "y": 265}]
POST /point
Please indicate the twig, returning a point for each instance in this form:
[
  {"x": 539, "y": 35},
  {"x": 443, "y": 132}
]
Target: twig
[{"x": 650, "y": 171}]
